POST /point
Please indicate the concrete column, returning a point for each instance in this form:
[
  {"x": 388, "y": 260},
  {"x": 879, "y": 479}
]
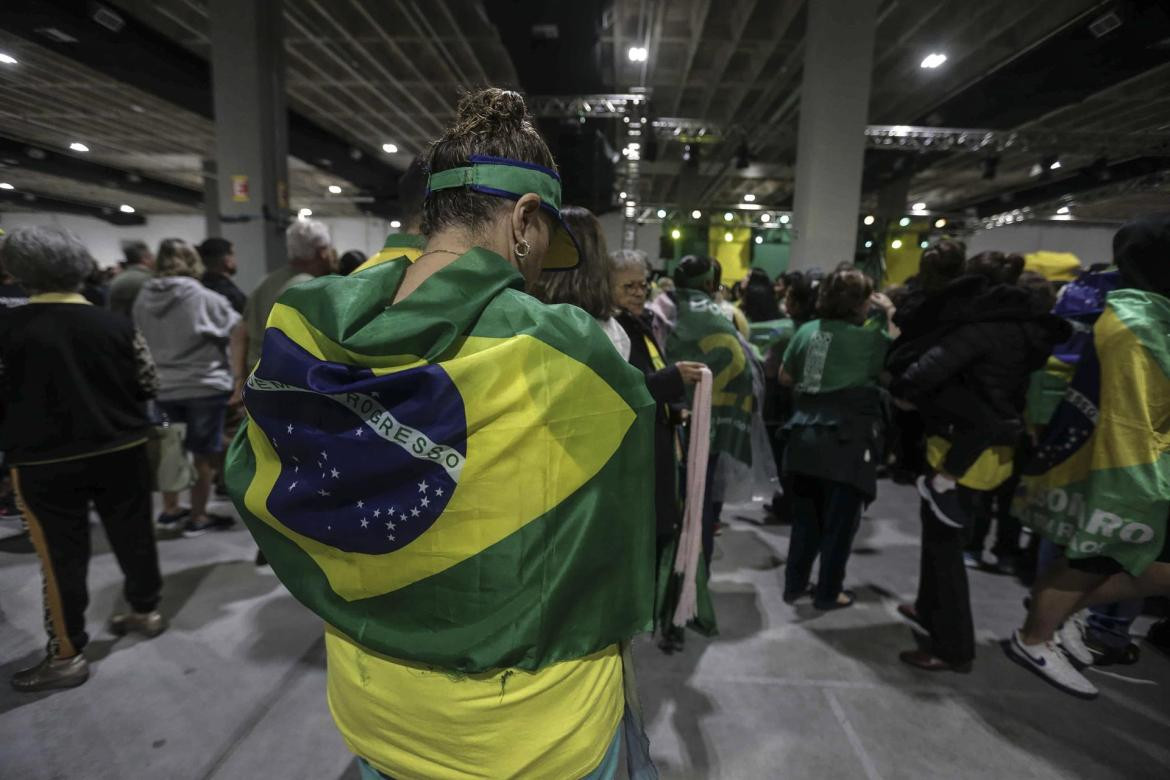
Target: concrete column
[
  {"x": 834, "y": 103},
  {"x": 251, "y": 131},
  {"x": 210, "y": 199}
]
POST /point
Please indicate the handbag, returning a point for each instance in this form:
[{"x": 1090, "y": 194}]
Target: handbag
[{"x": 170, "y": 465}]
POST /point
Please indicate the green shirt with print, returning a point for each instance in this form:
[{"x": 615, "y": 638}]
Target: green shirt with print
[{"x": 829, "y": 355}]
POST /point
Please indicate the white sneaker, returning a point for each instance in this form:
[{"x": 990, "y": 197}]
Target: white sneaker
[
  {"x": 1046, "y": 661},
  {"x": 1071, "y": 638}
]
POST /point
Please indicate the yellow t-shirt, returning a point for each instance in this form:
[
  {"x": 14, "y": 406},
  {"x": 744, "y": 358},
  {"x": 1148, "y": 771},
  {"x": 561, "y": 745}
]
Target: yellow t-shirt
[
  {"x": 412, "y": 722},
  {"x": 397, "y": 245},
  {"x": 992, "y": 469}
]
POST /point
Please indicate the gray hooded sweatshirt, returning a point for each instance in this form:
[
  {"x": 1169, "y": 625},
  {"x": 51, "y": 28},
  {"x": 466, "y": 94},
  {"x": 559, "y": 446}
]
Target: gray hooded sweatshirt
[{"x": 187, "y": 328}]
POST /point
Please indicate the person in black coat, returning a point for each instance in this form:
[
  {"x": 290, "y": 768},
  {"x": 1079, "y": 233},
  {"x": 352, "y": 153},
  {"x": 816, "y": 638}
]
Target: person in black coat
[
  {"x": 970, "y": 385},
  {"x": 666, "y": 383}
]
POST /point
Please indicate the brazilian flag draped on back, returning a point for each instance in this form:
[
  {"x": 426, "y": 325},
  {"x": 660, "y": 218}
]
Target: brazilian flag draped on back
[
  {"x": 1099, "y": 483},
  {"x": 703, "y": 334},
  {"x": 460, "y": 479}
]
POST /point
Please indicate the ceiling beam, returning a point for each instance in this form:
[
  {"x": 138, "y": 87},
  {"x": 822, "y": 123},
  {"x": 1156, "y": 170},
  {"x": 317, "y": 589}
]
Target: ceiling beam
[{"x": 31, "y": 199}]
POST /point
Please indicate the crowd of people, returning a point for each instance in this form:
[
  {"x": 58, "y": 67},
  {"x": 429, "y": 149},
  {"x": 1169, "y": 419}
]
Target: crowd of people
[{"x": 822, "y": 386}]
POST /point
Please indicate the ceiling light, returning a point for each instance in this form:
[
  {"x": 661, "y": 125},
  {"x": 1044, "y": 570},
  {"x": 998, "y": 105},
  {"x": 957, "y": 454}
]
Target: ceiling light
[
  {"x": 676, "y": 234},
  {"x": 868, "y": 244},
  {"x": 896, "y": 243},
  {"x": 1061, "y": 210},
  {"x": 638, "y": 54},
  {"x": 728, "y": 216},
  {"x": 728, "y": 237},
  {"x": 690, "y": 154},
  {"x": 904, "y": 222},
  {"x": 334, "y": 189},
  {"x": 7, "y": 59},
  {"x": 395, "y": 224},
  {"x": 626, "y": 119},
  {"x": 1054, "y": 165},
  {"x": 924, "y": 244},
  {"x": 759, "y": 239},
  {"x": 784, "y": 219},
  {"x": 662, "y": 213},
  {"x": 622, "y": 195},
  {"x": 765, "y": 218},
  {"x": 749, "y": 198},
  {"x": 389, "y": 148},
  {"x": 918, "y": 207},
  {"x": 933, "y": 60},
  {"x": 869, "y": 220},
  {"x": 77, "y": 146},
  {"x": 696, "y": 214},
  {"x": 940, "y": 223},
  {"x": 305, "y": 213},
  {"x": 6, "y": 186},
  {"x": 125, "y": 208}
]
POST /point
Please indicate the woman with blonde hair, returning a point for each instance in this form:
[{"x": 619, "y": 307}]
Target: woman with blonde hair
[{"x": 187, "y": 327}]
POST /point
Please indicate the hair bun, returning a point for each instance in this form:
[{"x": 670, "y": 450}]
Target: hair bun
[{"x": 490, "y": 110}]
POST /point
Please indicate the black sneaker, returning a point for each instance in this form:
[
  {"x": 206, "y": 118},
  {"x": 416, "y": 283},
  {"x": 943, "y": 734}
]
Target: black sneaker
[
  {"x": 944, "y": 505},
  {"x": 172, "y": 520},
  {"x": 208, "y": 523}
]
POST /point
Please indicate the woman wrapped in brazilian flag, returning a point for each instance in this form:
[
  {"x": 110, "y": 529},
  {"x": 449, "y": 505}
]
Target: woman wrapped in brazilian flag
[{"x": 458, "y": 480}]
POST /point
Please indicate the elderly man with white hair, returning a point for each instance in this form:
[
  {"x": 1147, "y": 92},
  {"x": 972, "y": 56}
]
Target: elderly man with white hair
[{"x": 310, "y": 254}]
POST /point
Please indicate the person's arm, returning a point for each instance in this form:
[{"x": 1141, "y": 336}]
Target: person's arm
[
  {"x": 940, "y": 363},
  {"x": 786, "y": 378},
  {"x": 238, "y": 353},
  {"x": 147, "y": 372}
]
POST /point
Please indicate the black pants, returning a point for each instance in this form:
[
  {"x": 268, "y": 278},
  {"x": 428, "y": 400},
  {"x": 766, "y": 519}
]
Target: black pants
[
  {"x": 826, "y": 515},
  {"x": 56, "y": 499},
  {"x": 944, "y": 603},
  {"x": 712, "y": 509},
  {"x": 1007, "y": 527}
]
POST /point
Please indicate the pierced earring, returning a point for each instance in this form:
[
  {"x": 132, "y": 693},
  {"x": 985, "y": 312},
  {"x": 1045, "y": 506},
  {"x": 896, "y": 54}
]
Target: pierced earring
[{"x": 522, "y": 249}]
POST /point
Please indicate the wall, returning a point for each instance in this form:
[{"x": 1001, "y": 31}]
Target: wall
[
  {"x": 1090, "y": 243},
  {"x": 647, "y": 237},
  {"x": 105, "y": 240}
]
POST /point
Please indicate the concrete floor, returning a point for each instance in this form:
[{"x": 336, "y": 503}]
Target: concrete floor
[{"x": 235, "y": 689}]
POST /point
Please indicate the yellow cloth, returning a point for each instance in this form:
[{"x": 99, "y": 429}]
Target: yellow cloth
[
  {"x": 390, "y": 253},
  {"x": 1054, "y": 266},
  {"x": 655, "y": 356},
  {"x": 413, "y": 723},
  {"x": 992, "y": 469},
  {"x": 77, "y": 298}
]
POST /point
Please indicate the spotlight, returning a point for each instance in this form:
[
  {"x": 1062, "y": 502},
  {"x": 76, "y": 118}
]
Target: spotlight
[
  {"x": 759, "y": 239},
  {"x": 749, "y": 198},
  {"x": 662, "y": 213},
  {"x": 1054, "y": 166},
  {"x": 869, "y": 219},
  {"x": 933, "y": 60},
  {"x": 784, "y": 219},
  {"x": 696, "y": 214},
  {"x": 77, "y": 146},
  {"x": 304, "y": 213},
  {"x": 728, "y": 237},
  {"x": 1047, "y": 163},
  {"x": 765, "y": 218},
  {"x": 389, "y": 148},
  {"x": 896, "y": 243},
  {"x": 989, "y": 166},
  {"x": 924, "y": 244},
  {"x": 691, "y": 155},
  {"x": 6, "y": 186},
  {"x": 7, "y": 59},
  {"x": 395, "y": 224},
  {"x": 638, "y": 54},
  {"x": 126, "y": 208},
  {"x": 626, "y": 119},
  {"x": 622, "y": 195},
  {"x": 728, "y": 216},
  {"x": 904, "y": 222},
  {"x": 743, "y": 156},
  {"x": 868, "y": 244},
  {"x": 676, "y": 234},
  {"x": 918, "y": 207},
  {"x": 1061, "y": 210},
  {"x": 940, "y": 223},
  {"x": 334, "y": 189}
]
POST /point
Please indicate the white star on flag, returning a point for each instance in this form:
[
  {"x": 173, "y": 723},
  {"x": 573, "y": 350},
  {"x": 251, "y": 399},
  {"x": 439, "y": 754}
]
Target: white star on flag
[
  {"x": 290, "y": 428},
  {"x": 414, "y": 512},
  {"x": 439, "y": 492},
  {"x": 323, "y": 492},
  {"x": 365, "y": 522},
  {"x": 422, "y": 486},
  {"x": 324, "y": 455},
  {"x": 290, "y": 487},
  {"x": 425, "y": 502},
  {"x": 390, "y": 537},
  {"x": 377, "y": 513},
  {"x": 390, "y": 526},
  {"x": 358, "y": 432},
  {"x": 361, "y": 505},
  {"x": 335, "y": 473},
  {"x": 402, "y": 515}
]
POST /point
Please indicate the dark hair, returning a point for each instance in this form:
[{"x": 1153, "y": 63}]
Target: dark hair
[
  {"x": 412, "y": 191},
  {"x": 1041, "y": 291},
  {"x": 135, "y": 251},
  {"x": 941, "y": 264},
  {"x": 842, "y": 295},
  {"x": 799, "y": 296},
  {"x": 588, "y": 286},
  {"x": 692, "y": 268},
  {"x": 996, "y": 267},
  {"x": 493, "y": 122},
  {"x": 213, "y": 250},
  {"x": 759, "y": 297},
  {"x": 349, "y": 261}
]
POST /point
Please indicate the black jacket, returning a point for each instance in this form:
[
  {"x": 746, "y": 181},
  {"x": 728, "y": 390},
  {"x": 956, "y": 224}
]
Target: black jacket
[
  {"x": 989, "y": 343},
  {"x": 838, "y": 436},
  {"x": 666, "y": 387},
  {"x": 223, "y": 284},
  {"x": 74, "y": 381}
]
